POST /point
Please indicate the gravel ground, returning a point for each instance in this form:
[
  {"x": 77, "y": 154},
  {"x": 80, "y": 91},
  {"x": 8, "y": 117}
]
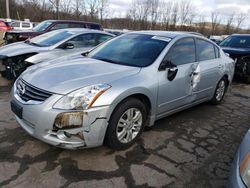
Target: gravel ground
[{"x": 193, "y": 148}]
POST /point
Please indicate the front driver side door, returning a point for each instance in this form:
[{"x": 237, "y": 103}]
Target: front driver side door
[{"x": 176, "y": 92}]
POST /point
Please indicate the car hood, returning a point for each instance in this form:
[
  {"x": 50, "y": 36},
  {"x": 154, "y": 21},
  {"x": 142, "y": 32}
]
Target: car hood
[
  {"x": 54, "y": 54},
  {"x": 236, "y": 51},
  {"x": 20, "y": 48},
  {"x": 63, "y": 77}
]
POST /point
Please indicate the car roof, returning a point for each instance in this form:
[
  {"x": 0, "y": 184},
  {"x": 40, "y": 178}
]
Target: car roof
[
  {"x": 77, "y": 31},
  {"x": 168, "y": 34},
  {"x": 247, "y": 35},
  {"x": 72, "y": 21}
]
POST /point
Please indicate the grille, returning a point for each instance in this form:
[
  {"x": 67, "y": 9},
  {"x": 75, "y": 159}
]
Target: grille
[{"x": 28, "y": 92}]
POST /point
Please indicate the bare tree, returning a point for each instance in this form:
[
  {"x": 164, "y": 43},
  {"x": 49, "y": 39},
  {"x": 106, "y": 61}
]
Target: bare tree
[
  {"x": 154, "y": 12},
  {"x": 92, "y": 8},
  {"x": 139, "y": 13},
  {"x": 185, "y": 12},
  {"x": 166, "y": 11},
  {"x": 103, "y": 9},
  {"x": 215, "y": 21},
  {"x": 229, "y": 23},
  {"x": 202, "y": 24},
  {"x": 174, "y": 15},
  {"x": 239, "y": 20},
  {"x": 55, "y": 4}
]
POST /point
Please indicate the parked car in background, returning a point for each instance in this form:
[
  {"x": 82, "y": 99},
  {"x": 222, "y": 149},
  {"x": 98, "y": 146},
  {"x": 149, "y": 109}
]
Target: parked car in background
[
  {"x": 117, "y": 32},
  {"x": 46, "y": 26},
  {"x": 20, "y": 25},
  {"x": 240, "y": 169},
  {"x": 56, "y": 43},
  {"x": 118, "y": 88},
  {"x": 238, "y": 47},
  {"x": 4, "y": 26},
  {"x": 215, "y": 38}
]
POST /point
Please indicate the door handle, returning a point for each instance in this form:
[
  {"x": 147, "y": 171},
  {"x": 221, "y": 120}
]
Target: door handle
[{"x": 220, "y": 66}]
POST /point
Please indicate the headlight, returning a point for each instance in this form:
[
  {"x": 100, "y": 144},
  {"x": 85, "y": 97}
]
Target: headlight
[
  {"x": 82, "y": 98},
  {"x": 245, "y": 170}
]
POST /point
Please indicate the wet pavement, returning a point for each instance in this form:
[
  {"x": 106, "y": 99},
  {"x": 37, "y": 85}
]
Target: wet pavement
[{"x": 193, "y": 148}]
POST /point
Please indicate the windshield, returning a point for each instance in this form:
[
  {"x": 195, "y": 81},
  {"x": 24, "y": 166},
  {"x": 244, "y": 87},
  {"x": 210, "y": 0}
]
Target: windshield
[
  {"x": 50, "y": 38},
  {"x": 137, "y": 50},
  {"x": 42, "y": 26},
  {"x": 236, "y": 42}
]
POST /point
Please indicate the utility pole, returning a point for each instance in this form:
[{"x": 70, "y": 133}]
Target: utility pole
[{"x": 7, "y": 9}]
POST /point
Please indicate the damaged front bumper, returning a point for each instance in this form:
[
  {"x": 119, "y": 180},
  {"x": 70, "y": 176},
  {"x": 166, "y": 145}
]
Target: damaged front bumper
[{"x": 38, "y": 120}]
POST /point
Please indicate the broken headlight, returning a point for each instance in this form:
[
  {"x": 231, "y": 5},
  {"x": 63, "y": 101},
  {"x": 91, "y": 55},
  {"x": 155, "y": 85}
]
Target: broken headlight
[{"x": 82, "y": 98}]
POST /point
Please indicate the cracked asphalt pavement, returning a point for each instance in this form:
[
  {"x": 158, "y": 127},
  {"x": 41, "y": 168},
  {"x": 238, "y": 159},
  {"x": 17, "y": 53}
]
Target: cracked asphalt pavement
[{"x": 193, "y": 148}]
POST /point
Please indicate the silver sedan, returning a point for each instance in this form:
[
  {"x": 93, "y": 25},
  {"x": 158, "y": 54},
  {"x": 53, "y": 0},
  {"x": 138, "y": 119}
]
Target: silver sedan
[{"x": 111, "y": 93}]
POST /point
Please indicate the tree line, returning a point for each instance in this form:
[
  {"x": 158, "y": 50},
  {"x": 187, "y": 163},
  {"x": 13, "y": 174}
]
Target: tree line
[{"x": 142, "y": 15}]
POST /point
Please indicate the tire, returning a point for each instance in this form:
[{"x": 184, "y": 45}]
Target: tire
[
  {"x": 220, "y": 91},
  {"x": 128, "y": 130}
]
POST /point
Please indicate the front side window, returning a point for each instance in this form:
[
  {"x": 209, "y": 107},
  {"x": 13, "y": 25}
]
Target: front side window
[
  {"x": 182, "y": 52},
  {"x": 42, "y": 26},
  {"x": 138, "y": 50},
  {"x": 50, "y": 38},
  {"x": 85, "y": 40},
  {"x": 15, "y": 24},
  {"x": 206, "y": 50}
]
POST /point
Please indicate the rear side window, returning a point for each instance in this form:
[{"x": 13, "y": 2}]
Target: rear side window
[
  {"x": 77, "y": 25},
  {"x": 205, "y": 50},
  {"x": 25, "y": 25},
  {"x": 60, "y": 26},
  {"x": 102, "y": 38},
  {"x": 182, "y": 52},
  {"x": 85, "y": 40},
  {"x": 94, "y": 26}
]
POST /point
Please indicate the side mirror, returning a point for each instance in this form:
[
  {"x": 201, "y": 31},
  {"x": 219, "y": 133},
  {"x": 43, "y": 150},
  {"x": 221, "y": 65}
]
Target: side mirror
[
  {"x": 166, "y": 64},
  {"x": 68, "y": 46}
]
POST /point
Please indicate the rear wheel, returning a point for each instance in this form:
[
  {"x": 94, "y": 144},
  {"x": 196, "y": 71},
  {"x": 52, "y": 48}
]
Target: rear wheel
[
  {"x": 220, "y": 91},
  {"x": 126, "y": 124}
]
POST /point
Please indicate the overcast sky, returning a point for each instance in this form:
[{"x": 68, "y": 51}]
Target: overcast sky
[{"x": 224, "y": 7}]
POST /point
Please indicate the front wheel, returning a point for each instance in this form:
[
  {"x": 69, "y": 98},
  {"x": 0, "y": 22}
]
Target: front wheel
[
  {"x": 126, "y": 124},
  {"x": 220, "y": 91}
]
